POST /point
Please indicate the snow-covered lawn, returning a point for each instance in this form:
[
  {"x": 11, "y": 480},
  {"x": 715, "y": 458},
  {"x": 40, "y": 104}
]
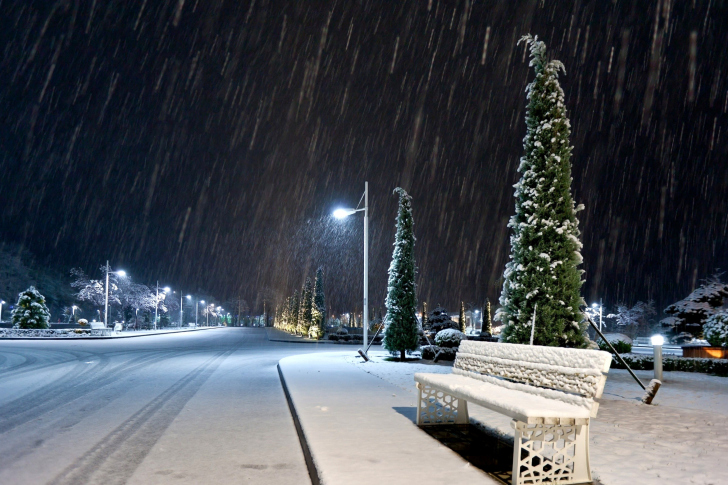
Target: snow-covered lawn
[
  {"x": 42, "y": 333},
  {"x": 681, "y": 439}
]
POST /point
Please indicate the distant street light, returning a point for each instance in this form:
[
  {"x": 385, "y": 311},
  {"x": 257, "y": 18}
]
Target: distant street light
[
  {"x": 342, "y": 213},
  {"x": 73, "y": 315},
  {"x": 122, "y": 274},
  {"x": 180, "y": 309},
  {"x": 600, "y": 307},
  {"x": 207, "y": 314},
  {"x": 2, "y": 302},
  {"x": 166, "y": 289}
]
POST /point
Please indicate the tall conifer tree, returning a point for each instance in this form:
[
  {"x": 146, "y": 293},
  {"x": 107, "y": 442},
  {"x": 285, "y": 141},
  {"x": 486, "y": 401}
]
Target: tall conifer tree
[
  {"x": 294, "y": 310},
  {"x": 545, "y": 246},
  {"x": 318, "y": 309},
  {"x": 401, "y": 332},
  {"x": 304, "y": 313},
  {"x": 461, "y": 317}
]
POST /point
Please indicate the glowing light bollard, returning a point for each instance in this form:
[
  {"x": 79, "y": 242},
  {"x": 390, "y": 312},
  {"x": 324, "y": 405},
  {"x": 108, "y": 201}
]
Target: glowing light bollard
[{"x": 657, "y": 341}]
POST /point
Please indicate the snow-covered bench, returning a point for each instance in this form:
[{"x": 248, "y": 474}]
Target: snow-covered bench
[{"x": 548, "y": 391}]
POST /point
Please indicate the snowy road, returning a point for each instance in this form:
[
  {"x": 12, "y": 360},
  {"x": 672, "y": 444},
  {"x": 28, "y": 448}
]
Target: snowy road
[{"x": 200, "y": 407}]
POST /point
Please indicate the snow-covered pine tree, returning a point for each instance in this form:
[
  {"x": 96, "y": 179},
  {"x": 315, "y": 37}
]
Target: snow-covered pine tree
[
  {"x": 461, "y": 317},
  {"x": 689, "y": 314},
  {"x": 545, "y": 246},
  {"x": 31, "y": 310},
  {"x": 304, "y": 313},
  {"x": 487, "y": 325},
  {"x": 294, "y": 311},
  {"x": 318, "y": 310},
  {"x": 401, "y": 326}
]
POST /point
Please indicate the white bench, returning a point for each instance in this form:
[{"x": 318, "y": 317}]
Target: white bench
[{"x": 548, "y": 391}]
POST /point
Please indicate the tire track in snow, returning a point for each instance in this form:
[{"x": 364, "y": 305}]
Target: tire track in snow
[{"x": 114, "y": 459}]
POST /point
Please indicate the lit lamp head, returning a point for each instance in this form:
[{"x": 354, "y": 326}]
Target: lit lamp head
[
  {"x": 121, "y": 273},
  {"x": 189, "y": 297},
  {"x": 594, "y": 305},
  {"x": 657, "y": 340},
  {"x": 167, "y": 289},
  {"x": 343, "y": 213}
]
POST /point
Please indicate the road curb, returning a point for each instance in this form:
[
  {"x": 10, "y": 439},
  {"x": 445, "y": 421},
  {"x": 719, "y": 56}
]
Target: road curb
[
  {"x": 308, "y": 458},
  {"x": 107, "y": 337}
]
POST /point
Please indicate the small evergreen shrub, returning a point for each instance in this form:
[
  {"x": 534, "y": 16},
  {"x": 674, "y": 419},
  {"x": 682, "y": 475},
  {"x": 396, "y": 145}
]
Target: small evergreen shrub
[
  {"x": 619, "y": 345},
  {"x": 31, "y": 310},
  {"x": 429, "y": 351},
  {"x": 449, "y": 338},
  {"x": 715, "y": 330},
  {"x": 447, "y": 353},
  {"x": 315, "y": 332}
]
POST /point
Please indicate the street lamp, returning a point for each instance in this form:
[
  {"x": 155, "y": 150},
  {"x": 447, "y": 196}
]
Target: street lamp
[
  {"x": 180, "y": 309},
  {"x": 600, "y": 307},
  {"x": 207, "y": 314},
  {"x": 2, "y": 302},
  {"x": 122, "y": 274},
  {"x": 342, "y": 213},
  {"x": 73, "y": 313},
  {"x": 166, "y": 290}
]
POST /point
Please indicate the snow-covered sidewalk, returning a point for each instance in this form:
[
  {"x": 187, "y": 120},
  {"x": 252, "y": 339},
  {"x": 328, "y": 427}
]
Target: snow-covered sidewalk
[
  {"x": 680, "y": 439},
  {"x": 360, "y": 428}
]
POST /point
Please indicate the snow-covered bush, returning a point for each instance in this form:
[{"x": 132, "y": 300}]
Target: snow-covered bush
[
  {"x": 715, "y": 330},
  {"x": 445, "y": 353},
  {"x": 31, "y": 310},
  {"x": 342, "y": 331},
  {"x": 315, "y": 332},
  {"x": 429, "y": 351},
  {"x": 83, "y": 322},
  {"x": 449, "y": 338}
]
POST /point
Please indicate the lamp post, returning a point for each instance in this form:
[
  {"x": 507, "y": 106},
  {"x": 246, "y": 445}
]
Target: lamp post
[
  {"x": 180, "y": 309},
  {"x": 2, "y": 302},
  {"x": 342, "y": 213},
  {"x": 206, "y": 313},
  {"x": 73, "y": 312},
  {"x": 601, "y": 307},
  {"x": 121, "y": 273},
  {"x": 166, "y": 290}
]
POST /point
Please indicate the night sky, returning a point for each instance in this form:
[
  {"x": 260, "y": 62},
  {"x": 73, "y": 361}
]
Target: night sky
[{"x": 205, "y": 143}]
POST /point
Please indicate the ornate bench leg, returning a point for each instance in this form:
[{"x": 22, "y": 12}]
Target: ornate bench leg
[
  {"x": 550, "y": 453},
  {"x": 437, "y": 407}
]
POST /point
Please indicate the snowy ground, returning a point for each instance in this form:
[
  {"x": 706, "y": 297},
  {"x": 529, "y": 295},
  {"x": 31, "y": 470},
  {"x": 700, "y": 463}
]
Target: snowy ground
[
  {"x": 86, "y": 333},
  {"x": 681, "y": 439}
]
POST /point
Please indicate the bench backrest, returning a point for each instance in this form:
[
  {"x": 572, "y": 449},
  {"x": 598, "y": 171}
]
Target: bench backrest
[{"x": 575, "y": 371}]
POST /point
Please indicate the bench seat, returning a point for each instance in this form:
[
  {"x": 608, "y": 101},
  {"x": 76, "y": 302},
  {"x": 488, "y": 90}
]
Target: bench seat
[
  {"x": 522, "y": 406},
  {"x": 549, "y": 393}
]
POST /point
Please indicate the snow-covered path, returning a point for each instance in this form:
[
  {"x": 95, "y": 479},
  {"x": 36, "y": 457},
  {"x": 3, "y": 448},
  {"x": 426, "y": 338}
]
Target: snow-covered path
[{"x": 679, "y": 440}]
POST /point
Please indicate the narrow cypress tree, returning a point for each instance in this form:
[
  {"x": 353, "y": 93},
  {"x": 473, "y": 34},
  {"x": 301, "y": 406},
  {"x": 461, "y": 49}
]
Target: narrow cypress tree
[
  {"x": 545, "y": 234},
  {"x": 425, "y": 324},
  {"x": 318, "y": 309},
  {"x": 304, "y": 314},
  {"x": 487, "y": 326},
  {"x": 400, "y": 334},
  {"x": 294, "y": 310},
  {"x": 461, "y": 318},
  {"x": 31, "y": 310}
]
